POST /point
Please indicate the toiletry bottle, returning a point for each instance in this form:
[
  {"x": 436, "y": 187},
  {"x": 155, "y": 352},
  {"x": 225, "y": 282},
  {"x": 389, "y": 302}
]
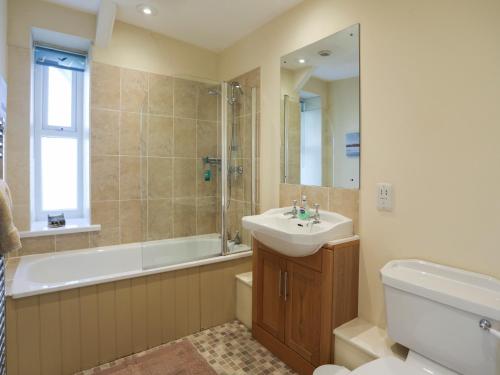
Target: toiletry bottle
[{"x": 304, "y": 209}]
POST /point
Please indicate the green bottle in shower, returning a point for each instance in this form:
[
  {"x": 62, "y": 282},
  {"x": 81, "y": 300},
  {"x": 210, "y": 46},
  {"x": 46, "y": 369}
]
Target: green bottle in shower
[{"x": 207, "y": 175}]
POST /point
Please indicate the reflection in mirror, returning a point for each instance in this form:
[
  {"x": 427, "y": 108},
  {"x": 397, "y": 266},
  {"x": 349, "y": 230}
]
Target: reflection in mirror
[{"x": 320, "y": 112}]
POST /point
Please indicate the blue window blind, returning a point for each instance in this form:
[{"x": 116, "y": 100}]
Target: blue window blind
[{"x": 60, "y": 59}]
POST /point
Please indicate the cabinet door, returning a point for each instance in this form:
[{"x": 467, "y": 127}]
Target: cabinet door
[
  {"x": 270, "y": 302},
  {"x": 303, "y": 311}
]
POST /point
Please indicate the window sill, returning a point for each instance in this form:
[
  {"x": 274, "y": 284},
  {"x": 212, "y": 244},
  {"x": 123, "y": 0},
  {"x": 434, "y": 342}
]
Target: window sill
[{"x": 40, "y": 228}]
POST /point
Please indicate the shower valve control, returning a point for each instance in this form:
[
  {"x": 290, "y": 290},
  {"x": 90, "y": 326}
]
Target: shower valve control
[{"x": 238, "y": 169}]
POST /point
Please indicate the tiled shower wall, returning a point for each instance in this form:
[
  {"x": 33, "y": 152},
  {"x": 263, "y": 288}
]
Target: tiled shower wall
[{"x": 149, "y": 133}]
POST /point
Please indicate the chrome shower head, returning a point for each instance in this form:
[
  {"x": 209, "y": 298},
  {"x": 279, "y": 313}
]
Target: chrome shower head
[
  {"x": 236, "y": 92},
  {"x": 213, "y": 91}
]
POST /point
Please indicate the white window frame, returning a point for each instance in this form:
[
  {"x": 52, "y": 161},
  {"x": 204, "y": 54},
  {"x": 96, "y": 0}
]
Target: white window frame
[{"x": 43, "y": 129}]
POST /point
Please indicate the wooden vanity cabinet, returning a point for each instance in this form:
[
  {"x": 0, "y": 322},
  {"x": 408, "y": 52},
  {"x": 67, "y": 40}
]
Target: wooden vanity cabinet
[{"x": 297, "y": 302}]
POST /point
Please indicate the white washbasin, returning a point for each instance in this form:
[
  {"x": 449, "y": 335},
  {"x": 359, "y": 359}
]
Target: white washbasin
[{"x": 295, "y": 237}]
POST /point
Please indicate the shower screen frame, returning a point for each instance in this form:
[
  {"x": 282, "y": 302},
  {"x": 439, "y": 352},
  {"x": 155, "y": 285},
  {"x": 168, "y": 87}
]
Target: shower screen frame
[{"x": 225, "y": 162}]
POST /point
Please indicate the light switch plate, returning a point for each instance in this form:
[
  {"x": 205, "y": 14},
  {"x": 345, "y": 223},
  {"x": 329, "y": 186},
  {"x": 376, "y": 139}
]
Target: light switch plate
[{"x": 384, "y": 196}]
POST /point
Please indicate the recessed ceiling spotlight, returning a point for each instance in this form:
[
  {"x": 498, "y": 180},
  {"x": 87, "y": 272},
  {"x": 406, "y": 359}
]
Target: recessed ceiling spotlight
[
  {"x": 148, "y": 10},
  {"x": 301, "y": 61}
]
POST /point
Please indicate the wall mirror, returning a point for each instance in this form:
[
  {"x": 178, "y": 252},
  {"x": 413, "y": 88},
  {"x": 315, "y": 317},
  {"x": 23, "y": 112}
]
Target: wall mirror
[{"x": 320, "y": 142}]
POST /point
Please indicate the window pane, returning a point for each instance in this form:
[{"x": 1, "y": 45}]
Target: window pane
[
  {"x": 59, "y": 174},
  {"x": 59, "y": 101}
]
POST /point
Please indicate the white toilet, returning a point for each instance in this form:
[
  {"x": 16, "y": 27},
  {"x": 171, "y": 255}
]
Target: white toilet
[{"x": 448, "y": 318}]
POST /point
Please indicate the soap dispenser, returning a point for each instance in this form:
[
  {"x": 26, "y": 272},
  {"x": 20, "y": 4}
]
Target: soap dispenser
[{"x": 304, "y": 209}]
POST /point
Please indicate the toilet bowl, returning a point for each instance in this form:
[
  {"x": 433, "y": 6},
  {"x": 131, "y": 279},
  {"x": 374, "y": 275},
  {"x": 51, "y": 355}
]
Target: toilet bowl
[
  {"x": 425, "y": 302},
  {"x": 331, "y": 370},
  {"x": 388, "y": 366}
]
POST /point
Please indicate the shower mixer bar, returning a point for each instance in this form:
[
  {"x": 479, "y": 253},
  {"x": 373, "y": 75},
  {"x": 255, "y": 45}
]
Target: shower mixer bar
[{"x": 211, "y": 161}]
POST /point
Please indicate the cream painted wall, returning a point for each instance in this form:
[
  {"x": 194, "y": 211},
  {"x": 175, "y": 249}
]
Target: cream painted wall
[
  {"x": 26, "y": 14},
  {"x": 3, "y": 38},
  {"x": 131, "y": 47},
  {"x": 135, "y": 48},
  {"x": 430, "y": 83}
]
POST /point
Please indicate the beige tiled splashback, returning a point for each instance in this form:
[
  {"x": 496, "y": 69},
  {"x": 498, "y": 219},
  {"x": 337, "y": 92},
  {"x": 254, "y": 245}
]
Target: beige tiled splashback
[{"x": 342, "y": 201}]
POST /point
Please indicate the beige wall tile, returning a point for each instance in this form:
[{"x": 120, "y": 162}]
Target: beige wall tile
[
  {"x": 131, "y": 220},
  {"x": 105, "y": 213},
  {"x": 73, "y": 241},
  {"x": 132, "y": 137},
  {"x": 185, "y": 98},
  {"x": 316, "y": 194},
  {"x": 208, "y": 105},
  {"x": 161, "y": 94},
  {"x": 144, "y": 178},
  {"x": 206, "y": 139},
  {"x": 206, "y": 215},
  {"x": 105, "y": 89},
  {"x": 160, "y": 217},
  {"x": 134, "y": 90},
  {"x": 237, "y": 182},
  {"x": 247, "y": 180},
  {"x": 37, "y": 245},
  {"x": 184, "y": 137},
  {"x": 104, "y": 178},
  {"x": 104, "y": 131},
  {"x": 184, "y": 178},
  {"x": 21, "y": 216},
  {"x": 160, "y": 178},
  {"x": 160, "y": 136},
  {"x": 289, "y": 193},
  {"x": 130, "y": 178},
  {"x": 106, "y": 237},
  {"x": 246, "y": 136},
  {"x": 184, "y": 219}
]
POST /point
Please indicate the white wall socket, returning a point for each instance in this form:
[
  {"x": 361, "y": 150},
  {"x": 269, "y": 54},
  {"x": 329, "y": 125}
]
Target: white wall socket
[{"x": 384, "y": 196}]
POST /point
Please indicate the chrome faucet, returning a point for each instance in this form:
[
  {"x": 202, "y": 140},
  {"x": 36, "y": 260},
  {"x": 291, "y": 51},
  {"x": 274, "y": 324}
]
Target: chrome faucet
[
  {"x": 294, "y": 210},
  {"x": 315, "y": 217},
  {"x": 237, "y": 238}
]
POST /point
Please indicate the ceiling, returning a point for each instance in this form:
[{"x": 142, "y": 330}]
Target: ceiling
[
  {"x": 342, "y": 63},
  {"x": 212, "y": 24}
]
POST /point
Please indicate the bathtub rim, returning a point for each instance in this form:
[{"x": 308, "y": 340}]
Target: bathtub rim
[{"x": 26, "y": 292}]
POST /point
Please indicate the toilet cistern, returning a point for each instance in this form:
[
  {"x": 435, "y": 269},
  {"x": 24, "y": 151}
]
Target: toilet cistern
[{"x": 448, "y": 318}]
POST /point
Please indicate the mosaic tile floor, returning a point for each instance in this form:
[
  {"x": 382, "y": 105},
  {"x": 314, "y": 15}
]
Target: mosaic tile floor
[{"x": 230, "y": 350}]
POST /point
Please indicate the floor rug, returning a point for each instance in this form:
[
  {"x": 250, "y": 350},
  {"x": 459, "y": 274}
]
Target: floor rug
[{"x": 180, "y": 358}]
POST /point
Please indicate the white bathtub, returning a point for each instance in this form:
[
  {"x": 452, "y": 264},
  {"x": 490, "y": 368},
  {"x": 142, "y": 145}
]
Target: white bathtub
[{"x": 44, "y": 273}]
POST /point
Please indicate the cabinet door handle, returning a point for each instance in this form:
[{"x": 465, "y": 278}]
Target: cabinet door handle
[
  {"x": 286, "y": 285},
  {"x": 279, "y": 285}
]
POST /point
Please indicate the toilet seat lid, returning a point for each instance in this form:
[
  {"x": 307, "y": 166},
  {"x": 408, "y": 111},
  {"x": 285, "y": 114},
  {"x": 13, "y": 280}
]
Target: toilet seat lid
[{"x": 387, "y": 366}]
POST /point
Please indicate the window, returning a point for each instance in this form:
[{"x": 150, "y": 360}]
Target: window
[
  {"x": 310, "y": 142},
  {"x": 58, "y": 135}
]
